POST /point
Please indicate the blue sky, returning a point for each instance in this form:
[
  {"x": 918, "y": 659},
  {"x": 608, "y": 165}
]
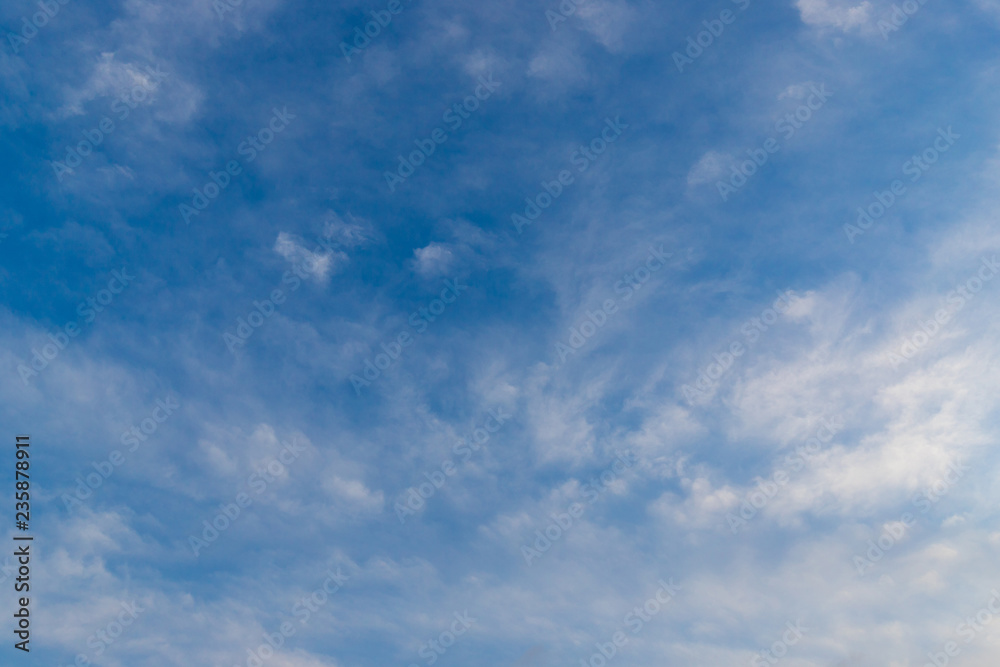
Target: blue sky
[{"x": 612, "y": 338}]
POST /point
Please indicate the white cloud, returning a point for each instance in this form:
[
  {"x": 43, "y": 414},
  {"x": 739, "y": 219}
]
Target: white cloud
[
  {"x": 354, "y": 494},
  {"x": 352, "y": 234},
  {"x": 834, "y": 13},
  {"x": 113, "y": 78},
  {"x": 432, "y": 260},
  {"x": 317, "y": 265},
  {"x": 607, "y": 22},
  {"x": 710, "y": 167},
  {"x": 558, "y": 63},
  {"x": 796, "y": 91}
]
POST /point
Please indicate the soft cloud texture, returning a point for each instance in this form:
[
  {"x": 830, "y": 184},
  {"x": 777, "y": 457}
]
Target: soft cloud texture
[{"x": 425, "y": 388}]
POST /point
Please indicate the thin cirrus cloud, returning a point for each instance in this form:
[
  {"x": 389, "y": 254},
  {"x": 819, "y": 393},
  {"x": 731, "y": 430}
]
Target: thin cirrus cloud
[{"x": 805, "y": 393}]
